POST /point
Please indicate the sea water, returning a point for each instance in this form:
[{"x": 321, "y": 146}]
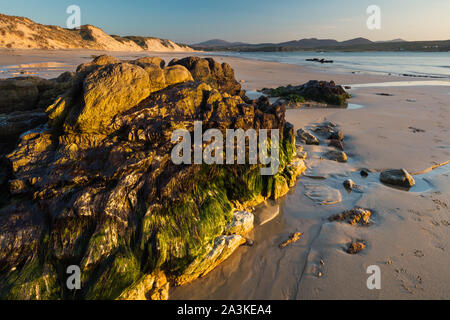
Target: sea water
[{"x": 422, "y": 64}]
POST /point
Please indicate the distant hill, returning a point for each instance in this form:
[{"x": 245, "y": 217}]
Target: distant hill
[
  {"x": 314, "y": 44},
  {"x": 395, "y": 40},
  {"x": 310, "y": 43},
  {"x": 23, "y": 33},
  {"x": 218, "y": 43},
  {"x": 355, "y": 41}
]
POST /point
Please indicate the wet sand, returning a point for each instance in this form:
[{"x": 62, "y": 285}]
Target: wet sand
[{"x": 409, "y": 236}]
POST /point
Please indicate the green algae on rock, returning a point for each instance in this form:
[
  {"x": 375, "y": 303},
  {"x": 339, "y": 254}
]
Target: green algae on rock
[
  {"x": 95, "y": 186},
  {"x": 318, "y": 91}
]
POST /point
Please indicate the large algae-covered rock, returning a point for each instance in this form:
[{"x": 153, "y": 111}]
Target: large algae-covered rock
[
  {"x": 219, "y": 76},
  {"x": 96, "y": 187}
]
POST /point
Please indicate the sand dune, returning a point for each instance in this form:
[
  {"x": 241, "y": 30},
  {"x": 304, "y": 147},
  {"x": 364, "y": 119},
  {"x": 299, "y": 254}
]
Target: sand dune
[{"x": 23, "y": 33}]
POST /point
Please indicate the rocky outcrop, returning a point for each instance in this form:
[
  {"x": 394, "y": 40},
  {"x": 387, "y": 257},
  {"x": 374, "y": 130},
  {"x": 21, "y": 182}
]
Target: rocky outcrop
[
  {"x": 319, "y": 60},
  {"x": 30, "y": 93},
  {"x": 96, "y": 186},
  {"x": 397, "y": 177},
  {"x": 218, "y": 76},
  {"x": 318, "y": 91}
]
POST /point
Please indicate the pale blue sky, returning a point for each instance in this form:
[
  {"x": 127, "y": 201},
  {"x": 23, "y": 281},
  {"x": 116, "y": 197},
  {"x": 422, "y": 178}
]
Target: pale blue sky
[{"x": 191, "y": 21}]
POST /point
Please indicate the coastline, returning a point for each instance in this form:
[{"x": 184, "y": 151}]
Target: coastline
[{"x": 378, "y": 137}]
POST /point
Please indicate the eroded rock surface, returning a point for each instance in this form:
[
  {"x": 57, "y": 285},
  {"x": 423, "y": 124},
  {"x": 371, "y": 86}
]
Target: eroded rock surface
[{"x": 219, "y": 76}]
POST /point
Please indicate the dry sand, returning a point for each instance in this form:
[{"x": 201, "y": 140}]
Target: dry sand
[{"x": 409, "y": 237}]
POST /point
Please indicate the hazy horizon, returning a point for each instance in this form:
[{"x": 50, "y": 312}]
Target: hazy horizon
[{"x": 248, "y": 21}]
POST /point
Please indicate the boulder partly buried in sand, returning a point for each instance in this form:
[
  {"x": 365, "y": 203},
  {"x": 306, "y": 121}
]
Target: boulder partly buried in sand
[
  {"x": 336, "y": 144},
  {"x": 335, "y": 155},
  {"x": 349, "y": 184},
  {"x": 397, "y": 177},
  {"x": 337, "y": 135},
  {"x": 322, "y": 194}
]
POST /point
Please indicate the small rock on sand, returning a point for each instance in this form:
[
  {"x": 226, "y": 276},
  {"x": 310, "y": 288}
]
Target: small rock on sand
[
  {"x": 338, "y": 156},
  {"x": 292, "y": 239},
  {"x": 337, "y": 135},
  {"x": 349, "y": 184},
  {"x": 364, "y": 173},
  {"x": 354, "y": 216},
  {"x": 307, "y": 137},
  {"x": 337, "y": 144},
  {"x": 397, "y": 177},
  {"x": 356, "y": 247}
]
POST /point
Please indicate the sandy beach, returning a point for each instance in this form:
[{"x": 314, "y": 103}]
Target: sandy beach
[{"x": 409, "y": 237}]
